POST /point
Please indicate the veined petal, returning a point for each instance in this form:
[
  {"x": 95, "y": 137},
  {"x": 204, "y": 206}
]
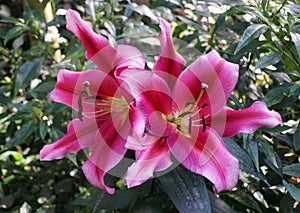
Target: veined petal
[
  {"x": 70, "y": 84},
  {"x": 96, "y": 176},
  {"x": 230, "y": 122},
  {"x": 80, "y": 135},
  {"x": 128, "y": 56},
  {"x": 110, "y": 148},
  {"x": 207, "y": 156},
  {"x": 170, "y": 63},
  {"x": 98, "y": 47},
  {"x": 152, "y": 96},
  {"x": 219, "y": 75},
  {"x": 156, "y": 157}
]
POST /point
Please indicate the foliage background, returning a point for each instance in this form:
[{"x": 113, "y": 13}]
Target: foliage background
[{"x": 262, "y": 36}]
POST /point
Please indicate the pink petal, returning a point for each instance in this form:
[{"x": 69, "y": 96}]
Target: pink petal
[
  {"x": 96, "y": 176},
  {"x": 206, "y": 155},
  {"x": 110, "y": 148},
  {"x": 80, "y": 135},
  {"x": 98, "y": 48},
  {"x": 219, "y": 75},
  {"x": 170, "y": 63},
  {"x": 152, "y": 96},
  {"x": 154, "y": 158},
  {"x": 230, "y": 122},
  {"x": 70, "y": 84},
  {"x": 137, "y": 120},
  {"x": 128, "y": 56}
]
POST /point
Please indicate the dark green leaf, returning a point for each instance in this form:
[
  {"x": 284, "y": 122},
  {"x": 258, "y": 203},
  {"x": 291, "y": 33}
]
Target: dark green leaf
[
  {"x": 243, "y": 157},
  {"x": 292, "y": 170},
  {"x": 27, "y": 72},
  {"x": 276, "y": 95},
  {"x": 286, "y": 204},
  {"x": 26, "y": 130},
  {"x": 187, "y": 190},
  {"x": 268, "y": 60},
  {"x": 245, "y": 199},
  {"x": 142, "y": 10},
  {"x": 13, "y": 33},
  {"x": 293, "y": 190},
  {"x": 296, "y": 138},
  {"x": 296, "y": 40},
  {"x": 253, "y": 147},
  {"x": 252, "y": 32},
  {"x": 43, "y": 129},
  {"x": 270, "y": 154},
  {"x": 218, "y": 205}
]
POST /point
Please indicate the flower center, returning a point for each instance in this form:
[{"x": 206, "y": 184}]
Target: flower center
[
  {"x": 100, "y": 106},
  {"x": 190, "y": 115}
]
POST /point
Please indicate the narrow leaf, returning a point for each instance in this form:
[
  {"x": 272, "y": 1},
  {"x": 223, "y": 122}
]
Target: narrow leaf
[
  {"x": 218, "y": 205},
  {"x": 296, "y": 138},
  {"x": 293, "y": 190},
  {"x": 253, "y": 147},
  {"x": 296, "y": 40},
  {"x": 26, "y": 130},
  {"x": 43, "y": 129},
  {"x": 27, "y": 72},
  {"x": 13, "y": 33},
  {"x": 268, "y": 60},
  {"x": 292, "y": 170},
  {"x": 252, "y": 32},
  {"x": 187, "y": 190},
  {"x": 243, "y": 157},
  {"x": 245, "y": 199}
]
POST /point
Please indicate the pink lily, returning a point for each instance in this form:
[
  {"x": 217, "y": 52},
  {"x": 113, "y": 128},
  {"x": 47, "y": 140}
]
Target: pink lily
[
  {"x": 185, "y": 111},
  {"x": 107, "y": 115}
]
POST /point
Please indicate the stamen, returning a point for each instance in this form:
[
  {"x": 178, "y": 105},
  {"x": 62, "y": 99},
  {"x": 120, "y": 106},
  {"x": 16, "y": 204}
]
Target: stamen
[
  {"x": 80, "y": 105},
  {"x": 184, "y": 114},
  {"x": 190, "y": 124},
  {"x": 189, "y": 103},
  {"x": 204, "y": 124}
]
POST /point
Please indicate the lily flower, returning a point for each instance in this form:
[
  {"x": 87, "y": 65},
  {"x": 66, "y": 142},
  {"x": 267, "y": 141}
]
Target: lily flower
[
  {"x": 186, "y": 116},
  {"x": 106, "y": 112}
]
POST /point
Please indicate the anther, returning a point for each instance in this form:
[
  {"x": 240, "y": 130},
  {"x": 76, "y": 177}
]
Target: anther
[
  {"x": 86, "y": 83},
  {"x": 204, "y": 86},
  {"x": 204, "y": 105},
  {"x": 203, "y": 124}
]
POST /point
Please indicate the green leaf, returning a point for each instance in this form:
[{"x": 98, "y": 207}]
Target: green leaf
[
  {"x": 252, "y": 32},
  {"x": 276, "y": 95},
  {"x": 296, "y": 138},
  {"x": 13, "y": 33},
  {"x": 218, "y": 205},
  {"x": 268, "y": 60},
  {"x": 43, "y": 129},
  {"x": 26, "y": 130},
  {"x": 27, "y": 72},
  {"x": 187, "y": 190},
  {"x": 244, "y": 198},
  {"x": 296, "y": 40},
  {"x": 253, "y": 147},
  {"x": 141, "y": 9},
  {"x": 245, "y": 161},
  {"x": 292, "y": 170},
  {"x": 270, "y": 153},
  {"x": 293, "y": 190}
]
